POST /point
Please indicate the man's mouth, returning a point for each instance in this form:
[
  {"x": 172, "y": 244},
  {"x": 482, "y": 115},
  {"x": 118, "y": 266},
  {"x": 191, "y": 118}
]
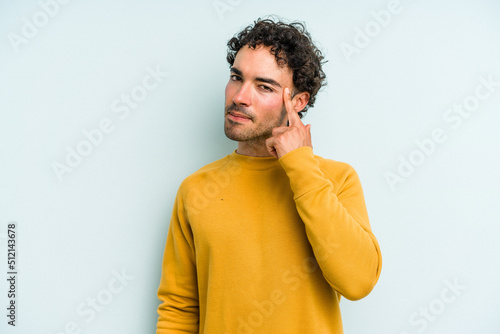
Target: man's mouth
[{"x": 238, "y": 117}]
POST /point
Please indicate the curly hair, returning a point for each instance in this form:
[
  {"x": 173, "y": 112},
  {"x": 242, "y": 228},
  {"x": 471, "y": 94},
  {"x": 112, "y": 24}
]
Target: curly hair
[{"x": 292, "y": 45}]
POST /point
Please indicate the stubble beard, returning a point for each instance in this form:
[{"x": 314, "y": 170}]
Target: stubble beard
[{"x": 245, "y": 133}]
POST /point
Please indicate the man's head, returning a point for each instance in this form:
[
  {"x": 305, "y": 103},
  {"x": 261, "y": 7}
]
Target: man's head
[
  {"x": 265, "y": 59},
  {"x": 292, "y": 47}
]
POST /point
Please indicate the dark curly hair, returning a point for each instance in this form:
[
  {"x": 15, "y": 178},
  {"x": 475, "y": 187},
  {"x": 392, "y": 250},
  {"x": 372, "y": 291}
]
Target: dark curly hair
[{"x": 292, "y": 45}]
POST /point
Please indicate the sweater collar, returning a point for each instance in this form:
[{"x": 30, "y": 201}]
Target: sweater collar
[{"x": 255, "y": 163}]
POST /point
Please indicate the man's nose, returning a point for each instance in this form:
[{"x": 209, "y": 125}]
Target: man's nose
[{"x": 243, "y": 96}]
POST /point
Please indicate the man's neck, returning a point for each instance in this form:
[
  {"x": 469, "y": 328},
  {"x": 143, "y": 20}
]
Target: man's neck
[{"x": 253, "y": 149}]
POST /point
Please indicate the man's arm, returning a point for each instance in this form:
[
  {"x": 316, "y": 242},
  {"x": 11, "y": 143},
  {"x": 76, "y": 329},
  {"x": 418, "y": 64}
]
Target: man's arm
[
  {"x": 332, "y": 209},
  {"x": 178, "y": 290},
  {"x": 336, "y": 221}
]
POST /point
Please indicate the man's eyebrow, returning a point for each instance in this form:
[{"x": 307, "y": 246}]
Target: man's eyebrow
[
  {"x": 235, "y": 70},
  {"x": 269, "y": 81},
  {"x": 266, "y": 80}
]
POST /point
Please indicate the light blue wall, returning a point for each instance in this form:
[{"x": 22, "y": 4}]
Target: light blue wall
[{"x": 398, "y": 74}]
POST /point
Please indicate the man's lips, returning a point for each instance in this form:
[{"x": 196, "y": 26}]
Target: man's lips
[{"x": 236, "y": 116}]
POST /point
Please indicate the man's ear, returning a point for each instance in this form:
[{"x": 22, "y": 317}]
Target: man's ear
[{"x": 300, "y": 101}]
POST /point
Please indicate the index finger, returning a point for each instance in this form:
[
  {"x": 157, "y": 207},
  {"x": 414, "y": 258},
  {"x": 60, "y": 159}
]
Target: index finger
[{"x": 293, "y": 117}]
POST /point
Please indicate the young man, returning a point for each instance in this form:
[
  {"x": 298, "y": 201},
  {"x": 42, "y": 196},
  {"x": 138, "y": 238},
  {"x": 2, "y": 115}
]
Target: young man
[{"x": 267, "y": 239}]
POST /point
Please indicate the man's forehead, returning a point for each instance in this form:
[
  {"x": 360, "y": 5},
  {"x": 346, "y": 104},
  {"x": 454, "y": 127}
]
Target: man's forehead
[{"x": 260, "y": 62}]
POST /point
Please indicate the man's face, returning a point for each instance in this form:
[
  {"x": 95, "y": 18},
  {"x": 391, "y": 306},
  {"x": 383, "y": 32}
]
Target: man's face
[{"x": 254, "y": 95}]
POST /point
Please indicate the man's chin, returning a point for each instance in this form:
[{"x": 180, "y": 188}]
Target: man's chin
[
  {"x": 245, "y": 137},
  {"x": 233, "y": 131},
  {"x": 233, "y": 136}
]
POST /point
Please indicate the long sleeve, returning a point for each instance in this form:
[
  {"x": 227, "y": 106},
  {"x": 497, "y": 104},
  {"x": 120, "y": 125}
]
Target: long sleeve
[
  {"x": 330, "y": 202},
  {"x": 179, "y": 310}
]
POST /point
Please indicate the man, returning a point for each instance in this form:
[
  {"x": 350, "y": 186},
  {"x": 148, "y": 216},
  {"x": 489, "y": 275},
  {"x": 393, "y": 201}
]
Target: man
[{"x": 267, "y": 239}]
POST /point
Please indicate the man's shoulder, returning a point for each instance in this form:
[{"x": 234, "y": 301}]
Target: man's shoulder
[
  {"x": 330, "y": 164},
  {"x": 204, "y": 173},
  {"x": 337, "y": 171}
]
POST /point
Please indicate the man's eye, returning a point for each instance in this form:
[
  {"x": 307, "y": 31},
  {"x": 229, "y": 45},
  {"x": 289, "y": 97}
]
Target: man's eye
[
  {"x": 235, "y": 77},
  {"x": 266, "y": 88}
]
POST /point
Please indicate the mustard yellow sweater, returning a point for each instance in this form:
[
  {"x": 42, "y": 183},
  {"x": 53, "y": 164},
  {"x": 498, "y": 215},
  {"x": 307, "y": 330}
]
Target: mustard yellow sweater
[{"x": 266, "y": 245}]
